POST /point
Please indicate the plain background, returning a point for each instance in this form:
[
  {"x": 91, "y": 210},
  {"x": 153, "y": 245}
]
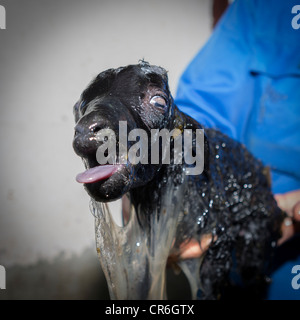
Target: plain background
[{"x": 49, "y": 53}]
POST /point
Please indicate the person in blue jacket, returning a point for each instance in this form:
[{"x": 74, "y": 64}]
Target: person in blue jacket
[{"x": 245, "y": 81}]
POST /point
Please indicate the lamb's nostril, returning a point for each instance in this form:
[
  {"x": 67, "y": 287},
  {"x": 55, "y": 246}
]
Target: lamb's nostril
[{"x": 95, "y": 127}]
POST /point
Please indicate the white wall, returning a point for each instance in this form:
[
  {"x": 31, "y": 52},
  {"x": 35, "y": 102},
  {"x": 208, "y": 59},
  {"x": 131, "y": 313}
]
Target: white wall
[{"x": 49, "y": 52}]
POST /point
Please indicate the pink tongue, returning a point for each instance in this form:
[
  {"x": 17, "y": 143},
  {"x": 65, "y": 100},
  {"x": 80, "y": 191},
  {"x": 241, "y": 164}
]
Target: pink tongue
[{"x": 97, "y": 173}]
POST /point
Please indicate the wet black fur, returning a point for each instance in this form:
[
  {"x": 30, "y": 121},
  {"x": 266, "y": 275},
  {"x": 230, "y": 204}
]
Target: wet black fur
[{"x": 231, "y": 198}]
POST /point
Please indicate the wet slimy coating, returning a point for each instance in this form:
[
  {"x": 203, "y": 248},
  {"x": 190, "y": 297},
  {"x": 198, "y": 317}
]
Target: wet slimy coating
[{"x": 166, "y": 207}]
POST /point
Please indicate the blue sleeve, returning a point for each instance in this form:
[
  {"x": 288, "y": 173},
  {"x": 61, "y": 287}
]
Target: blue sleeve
[
  {"x": 214, "y": 89},
  {"x": 246, "y": 82}
]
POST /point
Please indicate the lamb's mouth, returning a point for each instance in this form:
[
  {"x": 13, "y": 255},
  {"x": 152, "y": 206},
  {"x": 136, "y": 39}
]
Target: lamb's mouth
[{"x": 98, "y": 173}]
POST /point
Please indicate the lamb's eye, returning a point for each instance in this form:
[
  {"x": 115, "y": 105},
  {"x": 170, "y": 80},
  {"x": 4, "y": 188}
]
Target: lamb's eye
[{"x": 158, "y": 101}]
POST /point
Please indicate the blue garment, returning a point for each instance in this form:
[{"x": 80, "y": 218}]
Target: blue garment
[{"x": 246, "y": 82}]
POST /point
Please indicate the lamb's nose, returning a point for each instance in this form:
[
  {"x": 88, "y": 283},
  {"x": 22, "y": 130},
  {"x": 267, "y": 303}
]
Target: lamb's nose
[
  {"x": 88, "y": 129},
  {"x": 95, "y": 127},
  {"x": 85, "y": 139}
]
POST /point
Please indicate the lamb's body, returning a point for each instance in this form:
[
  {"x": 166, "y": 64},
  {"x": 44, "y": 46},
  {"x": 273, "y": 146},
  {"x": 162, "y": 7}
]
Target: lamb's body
[{"x": 231, "y": 199}]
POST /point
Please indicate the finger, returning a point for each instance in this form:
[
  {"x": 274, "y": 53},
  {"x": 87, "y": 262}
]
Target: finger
[
  {"x": 286, "y": 201},
  {"x": 281, "y": 201},
  {"x": 296, "y": 212},
  {"x": 287, "y": 230},
  {"x": 193, "y": 249}
]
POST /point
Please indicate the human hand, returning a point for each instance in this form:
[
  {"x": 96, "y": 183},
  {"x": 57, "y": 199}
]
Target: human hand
[
  {"x": 290, "y": 203},
  {"x": 191, "y": 249}
]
